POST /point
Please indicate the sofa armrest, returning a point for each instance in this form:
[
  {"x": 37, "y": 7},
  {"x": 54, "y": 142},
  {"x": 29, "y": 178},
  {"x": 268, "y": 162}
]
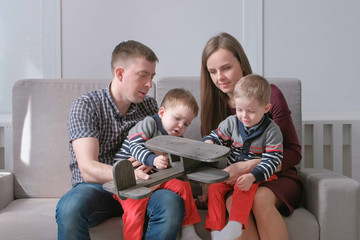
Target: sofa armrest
[
  {"x": 334, "y": 200},
  {"x": 6, "y": 188}
]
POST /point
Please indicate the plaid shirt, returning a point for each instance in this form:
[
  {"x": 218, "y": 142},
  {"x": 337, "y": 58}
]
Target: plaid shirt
[{"x": 95, "y": 115}]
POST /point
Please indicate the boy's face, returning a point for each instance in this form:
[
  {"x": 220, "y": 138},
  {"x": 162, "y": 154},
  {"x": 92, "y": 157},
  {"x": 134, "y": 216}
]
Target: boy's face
[
  {"x": 249, "y": 111},
  {"x": 175, "y": 120}
]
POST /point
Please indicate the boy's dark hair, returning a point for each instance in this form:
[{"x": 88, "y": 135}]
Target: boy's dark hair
[
  {"x": 255, "y": 87},
  {"x": 182, "y": 96}
]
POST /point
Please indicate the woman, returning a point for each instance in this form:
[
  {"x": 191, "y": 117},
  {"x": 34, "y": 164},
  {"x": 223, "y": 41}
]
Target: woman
[{"x": 224, "y": 62}]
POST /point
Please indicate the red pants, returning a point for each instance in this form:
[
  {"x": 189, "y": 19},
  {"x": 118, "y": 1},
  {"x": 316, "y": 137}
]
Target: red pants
[
  {"x": 135, "y": 209},
  {"x": 241, "y": 205}
]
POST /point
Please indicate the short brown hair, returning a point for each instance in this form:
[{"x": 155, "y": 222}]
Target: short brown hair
[
  {"x": 129, "y": 50},
  {"x": 182, "y": 96},
  {"x": 253, "y": 87}
]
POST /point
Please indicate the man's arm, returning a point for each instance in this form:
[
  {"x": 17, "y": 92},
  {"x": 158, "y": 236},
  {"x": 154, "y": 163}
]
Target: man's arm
[
  {"x": 93, "y": 171},
  {"x": 87, "y": 152}
]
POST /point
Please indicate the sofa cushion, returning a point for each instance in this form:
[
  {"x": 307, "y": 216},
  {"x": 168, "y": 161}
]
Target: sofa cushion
[
  {"x": 302, "y": 225},
  {"x": 110, "y": 229},
  {"x": 31, "y": 218}
]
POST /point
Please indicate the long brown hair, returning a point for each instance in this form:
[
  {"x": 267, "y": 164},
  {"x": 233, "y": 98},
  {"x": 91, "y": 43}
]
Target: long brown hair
[{"x": 214, "y": 103}]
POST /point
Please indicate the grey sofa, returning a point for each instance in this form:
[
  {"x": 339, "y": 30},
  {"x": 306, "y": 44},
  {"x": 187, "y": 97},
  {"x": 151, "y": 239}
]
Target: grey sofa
[{"x": 29, "y": 194}]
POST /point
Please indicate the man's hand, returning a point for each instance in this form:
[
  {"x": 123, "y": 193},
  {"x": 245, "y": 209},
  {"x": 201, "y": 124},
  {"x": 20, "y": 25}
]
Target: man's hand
[
  {"x": 134, "y": 162},
  {"x": 141, "y": 172}
]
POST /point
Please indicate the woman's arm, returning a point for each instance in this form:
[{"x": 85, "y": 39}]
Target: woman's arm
[
  {"x": 281, "y": 115},
  {"x": 235, "y": 170}
]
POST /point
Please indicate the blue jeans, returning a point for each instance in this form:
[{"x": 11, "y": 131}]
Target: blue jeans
[{"x": 87, "y": 205}]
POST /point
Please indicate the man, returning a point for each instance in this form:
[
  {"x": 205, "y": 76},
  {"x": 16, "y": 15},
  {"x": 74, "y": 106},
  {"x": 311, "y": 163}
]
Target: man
[{"x": 98, "y": 123}]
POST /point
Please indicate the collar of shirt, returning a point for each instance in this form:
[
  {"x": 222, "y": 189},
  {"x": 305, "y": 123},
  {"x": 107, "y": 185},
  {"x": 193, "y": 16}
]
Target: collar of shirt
[
  {"x": 131, "y": 110},
  {"x": 249, "y": 131}
]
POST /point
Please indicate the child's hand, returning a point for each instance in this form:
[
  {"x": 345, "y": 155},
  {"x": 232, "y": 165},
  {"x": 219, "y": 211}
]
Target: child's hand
[
  {"x": 245, "y": 181},
  {"x": 209, "y": 141},
  {"x": 161, "y": 162}
]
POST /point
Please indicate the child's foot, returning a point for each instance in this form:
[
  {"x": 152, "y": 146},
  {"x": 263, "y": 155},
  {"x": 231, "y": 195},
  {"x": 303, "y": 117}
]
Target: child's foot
[
  {"x": 214, "y": 233},
  {"x": 231, "y": 231},
  {"x": 188, "y": 233}
]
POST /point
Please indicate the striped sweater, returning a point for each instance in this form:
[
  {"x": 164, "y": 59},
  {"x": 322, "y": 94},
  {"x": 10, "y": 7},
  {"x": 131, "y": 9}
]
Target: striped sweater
[
  {"x": 134, "y": 144},
  {"x": 263, "y": 141}
]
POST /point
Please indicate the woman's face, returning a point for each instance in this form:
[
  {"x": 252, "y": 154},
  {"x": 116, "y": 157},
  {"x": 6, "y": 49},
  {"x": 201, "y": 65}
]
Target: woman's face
[
  {"x": 224, "y": 69},
  {"x": 249, "y": 111}
]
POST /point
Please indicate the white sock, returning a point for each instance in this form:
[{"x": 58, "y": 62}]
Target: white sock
[
  {"x": 232, "y": 230},
  {"x": 214, "y": 233},
  {"x": 188, "y": 233}
]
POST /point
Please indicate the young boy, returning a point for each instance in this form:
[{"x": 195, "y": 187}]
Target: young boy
[
  {"x": 175, "y": 114},
  {"x": 251, "y": 135}
]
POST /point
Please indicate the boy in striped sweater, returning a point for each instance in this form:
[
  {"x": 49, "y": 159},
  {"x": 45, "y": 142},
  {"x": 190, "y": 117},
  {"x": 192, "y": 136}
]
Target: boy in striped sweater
[
  {"x": 251, "y": 135},
  {"x": 175, "y": 114}
]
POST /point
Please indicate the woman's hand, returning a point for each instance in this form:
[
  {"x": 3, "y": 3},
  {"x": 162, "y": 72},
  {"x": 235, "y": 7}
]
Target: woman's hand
[
  {"x": 237, "y": 169},
  {"x": 201, "y": 201},
  {"x": 279, "y": 168}
]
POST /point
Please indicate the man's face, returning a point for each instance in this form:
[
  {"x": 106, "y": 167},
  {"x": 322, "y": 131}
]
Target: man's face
[{"x": 137, "y": 79}]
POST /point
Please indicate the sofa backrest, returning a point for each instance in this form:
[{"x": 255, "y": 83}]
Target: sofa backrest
[{"x": 40, "y": 137}]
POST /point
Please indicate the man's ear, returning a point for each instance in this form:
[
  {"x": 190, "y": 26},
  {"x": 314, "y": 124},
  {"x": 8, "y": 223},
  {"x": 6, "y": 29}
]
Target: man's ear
[
  {"x": 119, "y": 73},
  {"x": 267, "y": 107},
  {"x": 161, "y": 112}
]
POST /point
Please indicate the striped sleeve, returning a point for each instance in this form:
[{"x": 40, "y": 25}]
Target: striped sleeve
[
  {"x": 138, "y": 135},
  {"x": 124, "y": 152},
  {"x": 272, "y": 156},
  {"x": 223, "y": 134}
]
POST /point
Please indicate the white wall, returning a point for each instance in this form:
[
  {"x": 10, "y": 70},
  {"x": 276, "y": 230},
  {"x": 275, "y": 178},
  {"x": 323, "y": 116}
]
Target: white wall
[
  {"x": 176, "y": 30},
  {"x": 29, "y": 44},
  {"x": 318, "y": 42},
  {"x": 315, "y": 41},
  {"x": 20, "y": 45}
]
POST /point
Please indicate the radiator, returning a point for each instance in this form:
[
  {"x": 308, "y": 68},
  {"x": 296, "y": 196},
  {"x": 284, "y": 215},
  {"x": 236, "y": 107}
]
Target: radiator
[{"x": 333, "y": 145}]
